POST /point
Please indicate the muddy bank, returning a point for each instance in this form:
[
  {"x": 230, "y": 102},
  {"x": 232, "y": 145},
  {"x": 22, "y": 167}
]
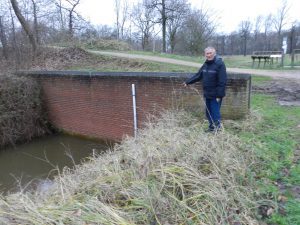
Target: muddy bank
[{"x": 287, "y": 91}]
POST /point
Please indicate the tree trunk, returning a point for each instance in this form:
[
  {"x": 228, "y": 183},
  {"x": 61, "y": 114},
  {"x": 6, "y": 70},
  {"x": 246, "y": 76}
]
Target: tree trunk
[
  {"x": 164, "y": 25},
  {"x": 61, "y": 15},
  {"x": 292, "y": 37},
  {"x": 36, "y": 29},
  {"x": 245, "y": 46},
  {"x": 172, "y": 41},
  {"x": 15, "y": 46},
  {"x": 71, "y": 25},
  {"x": 3, "y": 40},
  {"x": 25, "y": 26},
  {"x": 117, "y": 9}
]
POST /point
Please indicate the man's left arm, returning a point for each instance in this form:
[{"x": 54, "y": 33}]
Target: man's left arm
[{"x": 222, "y": 80}]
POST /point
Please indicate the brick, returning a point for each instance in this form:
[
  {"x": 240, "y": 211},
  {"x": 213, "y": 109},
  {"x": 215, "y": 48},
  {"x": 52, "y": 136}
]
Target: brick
[{"x": 100, "y": 104}]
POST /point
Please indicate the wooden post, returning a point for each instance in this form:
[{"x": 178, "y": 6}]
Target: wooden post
[
  {"x": 282, "y": 58},
  {"x": 293, "y": 58}
]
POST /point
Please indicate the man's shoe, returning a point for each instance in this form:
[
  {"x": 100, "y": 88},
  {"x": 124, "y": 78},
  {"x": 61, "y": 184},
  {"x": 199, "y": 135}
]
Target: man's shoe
[{"x": 209, "y": 130}]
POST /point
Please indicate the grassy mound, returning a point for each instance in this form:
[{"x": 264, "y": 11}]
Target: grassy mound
[
  {"x": 76, "y": 58},
  {"x": 101, "y": 44},
  {"x": 172, "y": 173}
]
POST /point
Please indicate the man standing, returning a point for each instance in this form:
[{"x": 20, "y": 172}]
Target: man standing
[{"x": 214, "y": 77}]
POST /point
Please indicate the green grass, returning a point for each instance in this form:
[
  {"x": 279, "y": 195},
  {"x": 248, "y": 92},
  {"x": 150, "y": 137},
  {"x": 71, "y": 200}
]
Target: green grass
[
  {"x": 260, "y": 80},
  {"x": 275, "y": 139},
  {"x": 197, "y": 59}
]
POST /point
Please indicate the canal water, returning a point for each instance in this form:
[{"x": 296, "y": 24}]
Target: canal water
[{"x": 23, "y": 166}]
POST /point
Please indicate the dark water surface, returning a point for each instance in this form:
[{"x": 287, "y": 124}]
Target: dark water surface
[{"x": 33, "y": 162}]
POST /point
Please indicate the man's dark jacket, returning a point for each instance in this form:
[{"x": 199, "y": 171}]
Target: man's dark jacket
[{"x": 214, "y": 77}]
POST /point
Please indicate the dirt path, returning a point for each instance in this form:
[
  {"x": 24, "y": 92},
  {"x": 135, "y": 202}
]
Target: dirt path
[{"x": 295, "y": 74}]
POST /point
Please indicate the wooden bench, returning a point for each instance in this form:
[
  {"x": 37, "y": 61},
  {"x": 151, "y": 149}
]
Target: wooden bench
[{"x": 266, "y": 57}]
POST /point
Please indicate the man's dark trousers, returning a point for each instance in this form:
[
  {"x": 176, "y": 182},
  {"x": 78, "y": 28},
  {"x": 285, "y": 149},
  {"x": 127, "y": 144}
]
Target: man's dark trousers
[{"x": 213, "y": 112}]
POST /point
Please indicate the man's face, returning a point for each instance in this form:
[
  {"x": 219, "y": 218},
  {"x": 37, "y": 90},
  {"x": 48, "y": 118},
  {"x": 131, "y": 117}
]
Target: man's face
[{"x": 209, "y": 54}]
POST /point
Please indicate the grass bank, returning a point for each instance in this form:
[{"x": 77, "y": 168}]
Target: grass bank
[
  {"x": 75, "y": 58},
  {"x": 276, "y": 140},
  {"x": 173, "y": 173}
]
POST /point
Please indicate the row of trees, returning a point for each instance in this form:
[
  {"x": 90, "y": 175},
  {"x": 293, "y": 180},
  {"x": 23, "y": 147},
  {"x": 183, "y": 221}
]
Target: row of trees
[
  {"x": 187, "y": 30},
  {"x": 38, "y": 23},
  {"x": 172, "y": 24},
  {"x": 161, "y": 25}
]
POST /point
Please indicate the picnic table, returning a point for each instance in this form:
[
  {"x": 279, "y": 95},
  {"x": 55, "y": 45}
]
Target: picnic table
[{"x": 265, "y": 57}]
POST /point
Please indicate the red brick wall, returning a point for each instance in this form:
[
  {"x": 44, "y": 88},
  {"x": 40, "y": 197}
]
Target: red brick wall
[{"x": 100, "y": 104}]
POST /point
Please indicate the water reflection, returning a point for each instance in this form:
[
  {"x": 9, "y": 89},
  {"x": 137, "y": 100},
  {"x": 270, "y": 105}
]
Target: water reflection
[{"x": 36, "y": 160}]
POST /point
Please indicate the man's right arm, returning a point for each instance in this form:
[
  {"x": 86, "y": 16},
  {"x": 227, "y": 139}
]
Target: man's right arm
[{"x": 195, "y": 78}]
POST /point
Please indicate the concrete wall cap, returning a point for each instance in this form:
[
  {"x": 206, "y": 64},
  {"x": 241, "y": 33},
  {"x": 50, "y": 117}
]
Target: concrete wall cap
[{"x": 41, "y": 73}]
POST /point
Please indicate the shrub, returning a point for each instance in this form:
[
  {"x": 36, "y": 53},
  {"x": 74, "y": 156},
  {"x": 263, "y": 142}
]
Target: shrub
[{"x": 21, "y": 114}]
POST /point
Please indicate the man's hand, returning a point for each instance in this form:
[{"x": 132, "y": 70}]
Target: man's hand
[
  {"x": 184, "y": 84},
  {"x": 218, "y": 99}
]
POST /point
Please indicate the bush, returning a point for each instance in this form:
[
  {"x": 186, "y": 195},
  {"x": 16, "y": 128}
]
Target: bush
[{"x": 21, "y": 114}]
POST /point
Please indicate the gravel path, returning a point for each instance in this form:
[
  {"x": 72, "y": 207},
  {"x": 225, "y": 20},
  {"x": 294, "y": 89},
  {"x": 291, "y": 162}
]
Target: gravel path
[{"x": 291, "y": 74}]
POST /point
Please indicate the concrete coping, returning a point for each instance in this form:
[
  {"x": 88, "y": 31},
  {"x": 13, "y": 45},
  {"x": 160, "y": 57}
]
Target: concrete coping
[{"x": 70, "y": 73}]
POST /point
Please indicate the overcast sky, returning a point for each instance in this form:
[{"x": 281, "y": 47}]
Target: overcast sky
[{"x": 230, "y": 12}]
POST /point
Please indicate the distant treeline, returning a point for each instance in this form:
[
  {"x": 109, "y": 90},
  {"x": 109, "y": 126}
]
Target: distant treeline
[{"x": 158, "y": 25}]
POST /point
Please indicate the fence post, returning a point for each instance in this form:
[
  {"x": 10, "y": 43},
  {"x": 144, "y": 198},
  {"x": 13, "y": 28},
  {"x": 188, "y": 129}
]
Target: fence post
[
  {"x": 282, "y": 58},
  {"x": 293, "y": 58}
]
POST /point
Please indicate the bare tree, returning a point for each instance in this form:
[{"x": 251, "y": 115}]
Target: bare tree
[
  {"x": 35, "y": 19},
  {"x": 161, "y": 6},
  {"x": 25, "y": 26},
  {"x": 166, "y": 8},
  {"x": 197, "y": 29},
  {"x": 233, "y": 39},
  {"x": 257, "y": 26},
  {"x": 14, "y": 39},
  {"x": 245, "y": 31},
  {"x": 292, "y": 38},
  {"x": 280, "y": 21},
  {"x": 61, "y": 15},
  {"x": 220, "y": 44},
  {"x": 125, "y": 13},
  {"x": 175, "y": 20},
  {"x": 3, "y": 39},
  {"x": 70, "y": 8},
  {"x": 105, "y": 31},
  {"x": 118, "y": 11},
  {"x": 122, "y": 12},
  {"x": 267, "y": 29},
  {"x": 142, "y": 17}
]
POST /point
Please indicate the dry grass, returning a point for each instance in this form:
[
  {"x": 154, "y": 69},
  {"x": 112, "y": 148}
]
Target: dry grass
[
  {"x": 172, "y": 173},
  {"x": 101, "y": 44}
]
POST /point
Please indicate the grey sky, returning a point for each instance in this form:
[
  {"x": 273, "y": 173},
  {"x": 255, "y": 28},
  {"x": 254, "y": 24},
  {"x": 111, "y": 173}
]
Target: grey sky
[{"x": 229, "y": 12}]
